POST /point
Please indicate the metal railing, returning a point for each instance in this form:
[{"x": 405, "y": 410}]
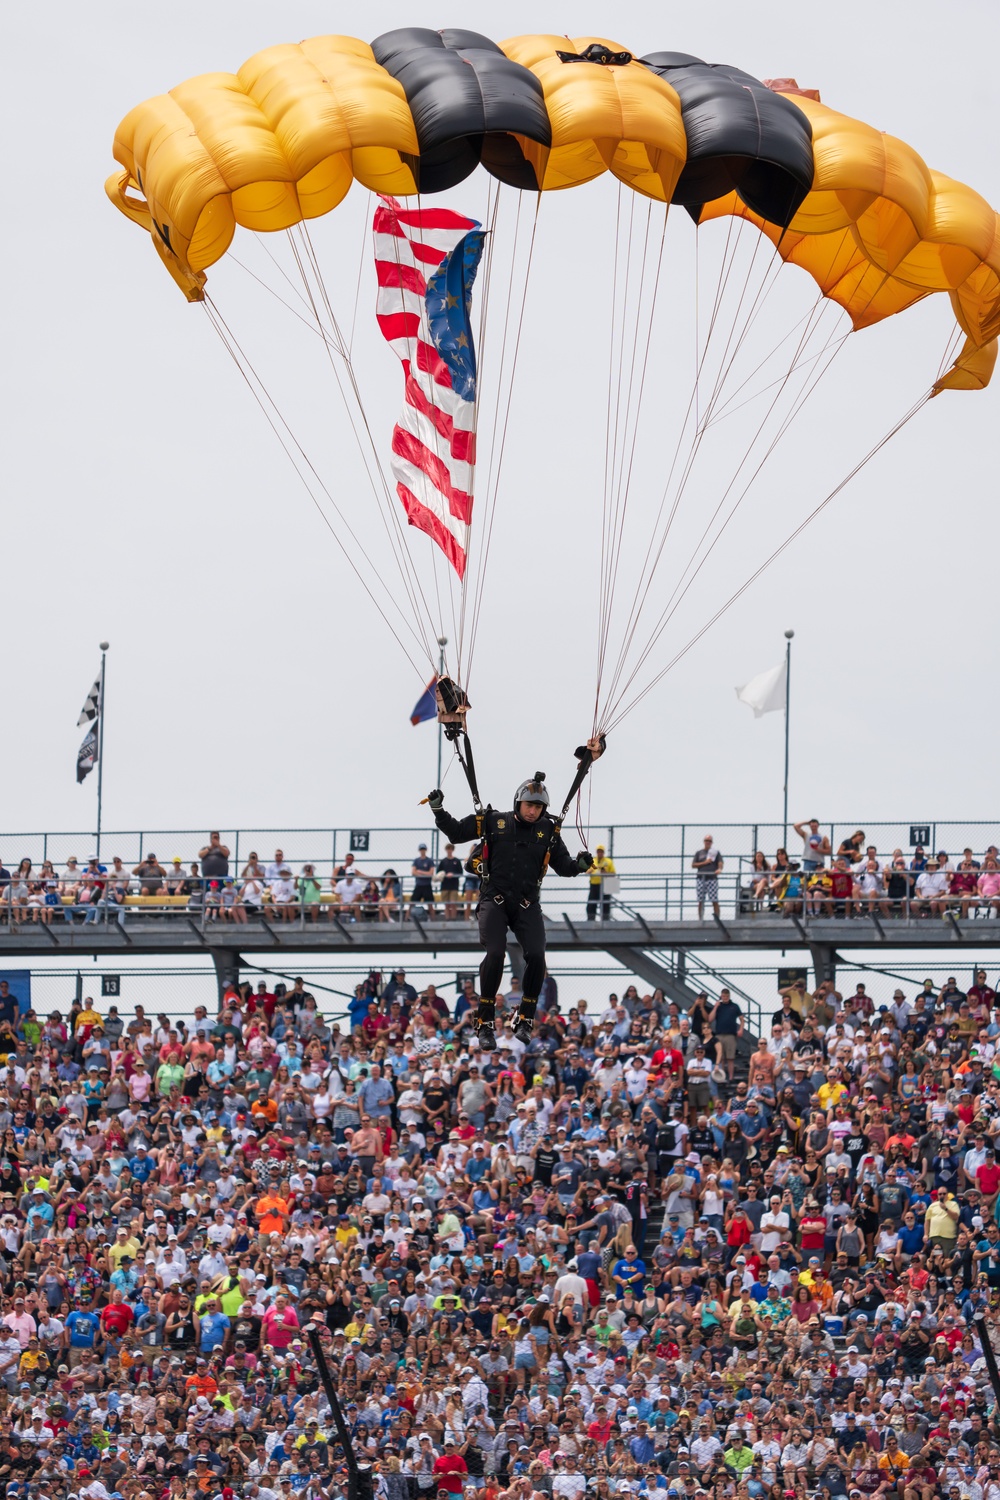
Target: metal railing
[
  {"x": 635, "y": 847},
  {"x": 643, "y": 897}
]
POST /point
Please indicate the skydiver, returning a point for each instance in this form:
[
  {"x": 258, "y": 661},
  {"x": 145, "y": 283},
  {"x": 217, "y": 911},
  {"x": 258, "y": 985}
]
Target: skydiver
[{"x": 518, "y": 848}]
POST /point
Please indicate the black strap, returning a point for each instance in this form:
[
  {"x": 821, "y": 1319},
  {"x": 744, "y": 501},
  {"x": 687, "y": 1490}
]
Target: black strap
[
  {"x": 468, "y": 765},
  {"x": 586, "y": 759}
]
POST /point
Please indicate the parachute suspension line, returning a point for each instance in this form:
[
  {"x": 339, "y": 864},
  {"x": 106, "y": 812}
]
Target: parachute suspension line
[
  {"x": 768, "y": 283},
  {"x": 695, "y": 564},
  {"x": 660, "y": 531},
  {"x": 305, "y": 258},
  {"x": 692, "y": 405},
  {"x": 625, "y": 470},
  {"x": 308, "y": 322},
  {"x": 488, "y": 500},
  {"x": 490, "y": 215},
  {"x": 793, "y": 536},
  {"x": 728, "y": 409},
  {"x": 498, "y": 436},
  {"x": 361, "y": 263},
  {"x": 304, "y": 467},
  {"x": 616, "y": 345},
  {"x": 800, "y": 362},
  {"x": 614, "y": 324},
  {"x": 950, "y": 351},
  {"x": 616, "y": 531},
  {"x": 335, "y": 344}
]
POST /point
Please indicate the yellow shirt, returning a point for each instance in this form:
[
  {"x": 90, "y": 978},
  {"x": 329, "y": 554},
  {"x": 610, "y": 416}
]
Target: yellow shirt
[
  {"x": 938, "y": 1221},
  {"x": 87, "y": 1018},
  {"x": 117, "y": 1250},
  {"x": 830, "y": 1094},
  {"x": 602, "y": 866}
]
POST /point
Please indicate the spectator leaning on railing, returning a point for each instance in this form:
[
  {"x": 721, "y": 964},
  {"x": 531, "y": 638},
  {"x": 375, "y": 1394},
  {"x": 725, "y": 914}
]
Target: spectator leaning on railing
[{"x": 856, "y": 882}]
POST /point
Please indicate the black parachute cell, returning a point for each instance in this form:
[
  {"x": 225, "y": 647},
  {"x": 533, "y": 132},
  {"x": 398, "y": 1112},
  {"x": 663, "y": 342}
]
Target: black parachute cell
[
  {"x": 740, "y": 136},
  {"x": 468, "y": 102}
]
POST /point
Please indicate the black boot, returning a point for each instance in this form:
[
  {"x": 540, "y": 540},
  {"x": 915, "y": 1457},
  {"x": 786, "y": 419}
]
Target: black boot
[
  {"x": 485, "y": 1021},
  {"x": 524, "y": 1021}
]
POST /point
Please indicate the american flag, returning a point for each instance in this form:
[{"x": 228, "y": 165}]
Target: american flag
[{"x": 426, "y": 261}]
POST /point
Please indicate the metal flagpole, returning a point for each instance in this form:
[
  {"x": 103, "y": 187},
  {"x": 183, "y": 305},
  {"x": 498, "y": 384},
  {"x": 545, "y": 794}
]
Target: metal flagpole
[
  {"x": 100, "y": 745},
  {"x": 789, "y": 634},
  {"x": 442, "y": 642}
]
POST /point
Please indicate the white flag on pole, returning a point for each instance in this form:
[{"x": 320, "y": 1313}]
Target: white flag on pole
[{"x": 765, "y": 693}]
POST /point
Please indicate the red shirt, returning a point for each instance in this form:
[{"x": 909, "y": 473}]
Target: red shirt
[
  {"x": 117, "y": 1318},
  {"x": 739, "y": 1232},
  {"x": 988, "y": 1177},
  {"x": 451, "y": 1470},
  {"x": 279, "y": 1328}
]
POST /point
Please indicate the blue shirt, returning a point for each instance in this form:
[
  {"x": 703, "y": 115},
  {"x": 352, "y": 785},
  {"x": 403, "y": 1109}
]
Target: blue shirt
[
  {"x": 213, "y": 1331},
  {"x": 751, "y": 1125},
  {"x": 629, "y": 1268},
  {"x": 83, "y": 1328},
  {"x": 911, "y": 1240}
]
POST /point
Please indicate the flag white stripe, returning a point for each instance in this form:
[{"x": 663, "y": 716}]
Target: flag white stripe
[
  {"x": 462, "y": 474},
  {"x": 394, "y": 299},
  {"x": 428, "y": 494}
]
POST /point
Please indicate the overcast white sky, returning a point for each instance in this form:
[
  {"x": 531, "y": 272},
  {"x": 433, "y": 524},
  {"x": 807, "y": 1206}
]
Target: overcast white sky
[{"x": 250, "y": 681}]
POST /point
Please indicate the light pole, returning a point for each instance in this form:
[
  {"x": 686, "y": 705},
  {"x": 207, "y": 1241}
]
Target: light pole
[
  {"x": 105, "y": 647},
  {"x": 789, "y": 635}
]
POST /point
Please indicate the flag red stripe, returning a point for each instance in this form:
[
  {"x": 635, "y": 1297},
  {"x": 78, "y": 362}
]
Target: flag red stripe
[
  {"x": 420, "y": 456},
  {"x": 461, "y": 443},
  {"x": 401, "y": 325},
  {"x": 425, "y": 520},
  {"x": 396, "y": 273},
  {"x": 389, "y": 216}
]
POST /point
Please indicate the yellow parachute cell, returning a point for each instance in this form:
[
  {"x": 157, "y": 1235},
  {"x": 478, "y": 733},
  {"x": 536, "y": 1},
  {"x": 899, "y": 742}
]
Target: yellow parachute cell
[{"x": 282, "y": 139}]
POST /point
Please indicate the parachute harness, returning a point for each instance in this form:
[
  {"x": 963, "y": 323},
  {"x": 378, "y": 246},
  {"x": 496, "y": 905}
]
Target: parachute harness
[{"x": 452, "y": 708}]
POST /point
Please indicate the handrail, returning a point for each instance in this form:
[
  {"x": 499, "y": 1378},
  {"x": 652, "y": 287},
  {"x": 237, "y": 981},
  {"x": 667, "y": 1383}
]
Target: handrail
[{"x": 642, "y": 897}]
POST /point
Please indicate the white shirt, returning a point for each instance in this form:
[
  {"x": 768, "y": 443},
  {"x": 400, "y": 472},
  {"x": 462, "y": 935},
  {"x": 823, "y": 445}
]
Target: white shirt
[
  {"x": 774, "y": 1227},
  {"x": 572, "y": 1285},
  {"x": 571, "y": 1485}
]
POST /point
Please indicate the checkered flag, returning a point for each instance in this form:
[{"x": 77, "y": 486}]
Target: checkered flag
[{"x": 92, "y": 707}]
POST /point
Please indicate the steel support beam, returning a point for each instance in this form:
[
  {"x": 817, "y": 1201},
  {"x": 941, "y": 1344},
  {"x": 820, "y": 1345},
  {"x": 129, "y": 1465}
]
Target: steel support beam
[
  {"x": 646, "y": 967},
  {"x": 824, "y": 957},
  {"x": 228, "y": 964}
]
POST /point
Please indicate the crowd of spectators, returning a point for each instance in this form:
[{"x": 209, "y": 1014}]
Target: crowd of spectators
[
  {"x": 858, "y": 881},
  {"x": 626, "y": 1258},
  {"x": 95, "y": 891}
]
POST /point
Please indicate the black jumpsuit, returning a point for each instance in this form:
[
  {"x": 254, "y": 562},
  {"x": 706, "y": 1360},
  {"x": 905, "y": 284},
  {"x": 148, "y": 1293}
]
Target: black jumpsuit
[{"x": 515, "y": 854}]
